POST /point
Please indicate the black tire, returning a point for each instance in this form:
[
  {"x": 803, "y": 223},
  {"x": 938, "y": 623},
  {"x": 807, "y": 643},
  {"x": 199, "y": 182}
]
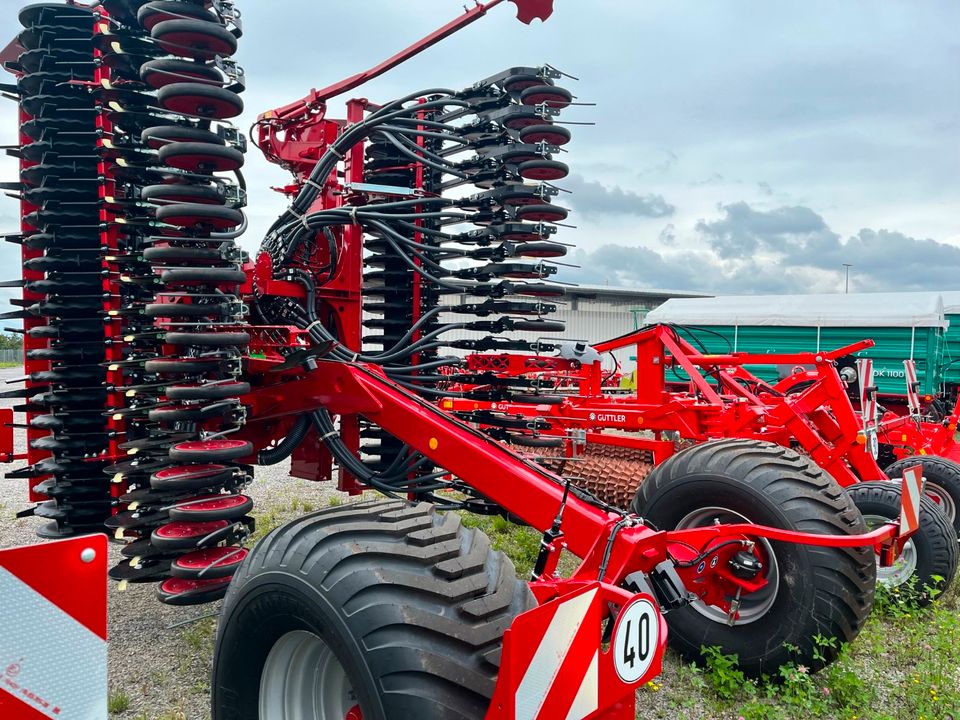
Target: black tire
[
  {"x": 207, "y": 275},
  {"x": 178, "y": 193},
  {"x": 209, "y": 391},
  {"x": 161, "y": 10},
  {"x": 521, "y": 81},
  {"x": 224, "y": 339},
  {"x": 548, "y": 133},
  {"x": 183, "y": 366},
  {"x": 425, "y": 643},
  {"x": 823, "y": 590},
  {"x": 184, "y": 536},
  {"x": 192, "y": 413},
  {"x": 934, "y": 544},
  {"x": 203, "y": 564},
  {"x": 198, "y": 39},
  {"x": 217, "y": 217},
  {"x": 212, "y": 451},
  {"x": 171, "y": 253},
  {"x": 179, "y": 310},
  {"x": 542, "y": 213},
  {"x": 167, "y": 71},
  {"x": 191, "y": 477},
  {"x": 539, "y": 325},
  {"x": 541, "y": 250},
  {"x": 549, "y": 95},
  {"x": 193, "y": 510},
  {"x": 543, "y": 170},
  {"x": 183, "y": 592},
  {"x": 203, "y": 158},
  {"x": 943, "y": 482},
  {"x": 156, "y": 137},
  {"x": 201, "y": 100}
]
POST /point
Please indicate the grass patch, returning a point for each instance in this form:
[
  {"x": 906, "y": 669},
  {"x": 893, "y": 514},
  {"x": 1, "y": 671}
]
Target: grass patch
[
  {"x": 521, "y": 544},
  {"x": 118, "y": 702}
]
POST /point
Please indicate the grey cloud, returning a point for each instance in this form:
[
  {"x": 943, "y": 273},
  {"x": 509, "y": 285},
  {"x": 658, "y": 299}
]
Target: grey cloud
[
  {"x": 714, "y": 179},
  {"x": 592, "y": 198},
  {"x": 784, "y": 250},
  {"x": 743, "y": 230},
  {"x": 660, "y": 167},
  {"x": 668, "y": 236}
]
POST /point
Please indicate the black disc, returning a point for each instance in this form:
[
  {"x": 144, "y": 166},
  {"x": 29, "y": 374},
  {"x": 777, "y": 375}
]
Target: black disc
[{"x": 196, "y": 39}]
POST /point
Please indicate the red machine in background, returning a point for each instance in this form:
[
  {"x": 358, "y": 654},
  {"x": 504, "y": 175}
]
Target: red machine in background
[
  {"x": 163, "y": 364},
  {"x": 612, "y": 441}
]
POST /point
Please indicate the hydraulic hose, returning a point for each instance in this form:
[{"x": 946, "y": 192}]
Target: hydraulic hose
[{"x": 284, "y": 449}]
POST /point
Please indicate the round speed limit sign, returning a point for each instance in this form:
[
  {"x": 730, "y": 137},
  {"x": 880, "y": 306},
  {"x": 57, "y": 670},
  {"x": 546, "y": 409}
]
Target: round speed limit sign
[{"x": 635, "y": 639}]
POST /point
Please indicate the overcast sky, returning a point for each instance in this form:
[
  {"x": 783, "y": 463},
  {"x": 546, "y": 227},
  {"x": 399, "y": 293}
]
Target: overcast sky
[{"x": 739, "y": 146}]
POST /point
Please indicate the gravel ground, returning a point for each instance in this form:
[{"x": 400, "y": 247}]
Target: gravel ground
[{"x": 159, "y": 671}]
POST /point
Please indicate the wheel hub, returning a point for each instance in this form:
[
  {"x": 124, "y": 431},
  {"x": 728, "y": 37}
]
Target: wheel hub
[
  {"x": 302, "y": 679},
  {"x": 749, "y": 608},
  {"x": 905, "y": 565},
  {"x": 942, "y": 498}
]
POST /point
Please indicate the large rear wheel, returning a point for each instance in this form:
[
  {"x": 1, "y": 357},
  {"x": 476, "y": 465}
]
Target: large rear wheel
[
  {"x": 810, "y": 590},
  {"x": 391, "y": 610}
]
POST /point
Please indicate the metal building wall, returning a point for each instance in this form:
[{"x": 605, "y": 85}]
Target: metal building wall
[{"x": 592, "y": 319}]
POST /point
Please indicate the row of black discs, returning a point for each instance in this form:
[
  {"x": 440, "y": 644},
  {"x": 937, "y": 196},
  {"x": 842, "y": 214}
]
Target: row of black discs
[
  {"x": 501, "y": 147},
  {"x": 63, "y": 284},
  {"x": 177, "y": 159},
  {"x": 164, "y": 372}
]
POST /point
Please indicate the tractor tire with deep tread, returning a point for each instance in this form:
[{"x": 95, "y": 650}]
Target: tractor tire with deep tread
[
  {"x": 412, "y": 604},
  {"x": 943, "y": 480},
  {"x": 820, "y": 590},
  {"x": 931, "y": 552}
]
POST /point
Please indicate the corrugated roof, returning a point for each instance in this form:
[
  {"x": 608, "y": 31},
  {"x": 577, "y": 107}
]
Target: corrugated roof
[{"x": 833, "y": 310}]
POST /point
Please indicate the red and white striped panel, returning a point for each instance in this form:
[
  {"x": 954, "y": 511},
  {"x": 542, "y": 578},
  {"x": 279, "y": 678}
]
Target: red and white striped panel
[
  {"x": 53, "y": 631},
  {"x": 562, "y": 678},
  {"x": 868, "y": 401},
  {"x": 554, "y": 667},
  {"x": 911, "y": 491},
  {"x": 913, "y": 394}
]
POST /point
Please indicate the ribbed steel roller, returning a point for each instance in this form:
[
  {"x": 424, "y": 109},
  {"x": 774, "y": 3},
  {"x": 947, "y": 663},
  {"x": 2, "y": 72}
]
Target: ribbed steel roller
[{"x": 612, "y": 473}]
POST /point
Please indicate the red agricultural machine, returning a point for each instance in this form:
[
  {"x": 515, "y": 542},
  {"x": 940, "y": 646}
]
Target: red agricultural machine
[
  {"x": 611, "y": 440},
  {"x": 163, "y": 363}
]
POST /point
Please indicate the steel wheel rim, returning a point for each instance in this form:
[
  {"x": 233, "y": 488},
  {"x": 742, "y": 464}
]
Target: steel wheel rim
[
  {"x": 942, "y": 498},
  {"x": 755, "y": 605},
  {"x": 302, "y": 679},
  {"x": 904, "y": 567}
]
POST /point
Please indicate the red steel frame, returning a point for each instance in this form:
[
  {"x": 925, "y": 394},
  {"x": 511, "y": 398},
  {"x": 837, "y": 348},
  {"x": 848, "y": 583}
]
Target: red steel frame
[{"x": 819, "y": 417}]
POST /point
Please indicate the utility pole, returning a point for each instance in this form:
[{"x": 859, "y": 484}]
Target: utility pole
[{"x": 846, "y": 279}]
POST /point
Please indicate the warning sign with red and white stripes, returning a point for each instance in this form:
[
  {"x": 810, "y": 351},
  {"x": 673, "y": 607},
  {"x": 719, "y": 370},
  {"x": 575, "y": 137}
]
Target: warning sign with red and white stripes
[
  {"x": 911, "y": 490},
  {"x": 555, "y": 665},
  {"x": 53, "y": 630}
]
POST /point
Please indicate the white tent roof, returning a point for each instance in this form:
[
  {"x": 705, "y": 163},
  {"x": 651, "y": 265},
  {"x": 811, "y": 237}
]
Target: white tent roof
[
  {"x": 854, "y": 310},
  {"x": 951, "y": 302}
]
